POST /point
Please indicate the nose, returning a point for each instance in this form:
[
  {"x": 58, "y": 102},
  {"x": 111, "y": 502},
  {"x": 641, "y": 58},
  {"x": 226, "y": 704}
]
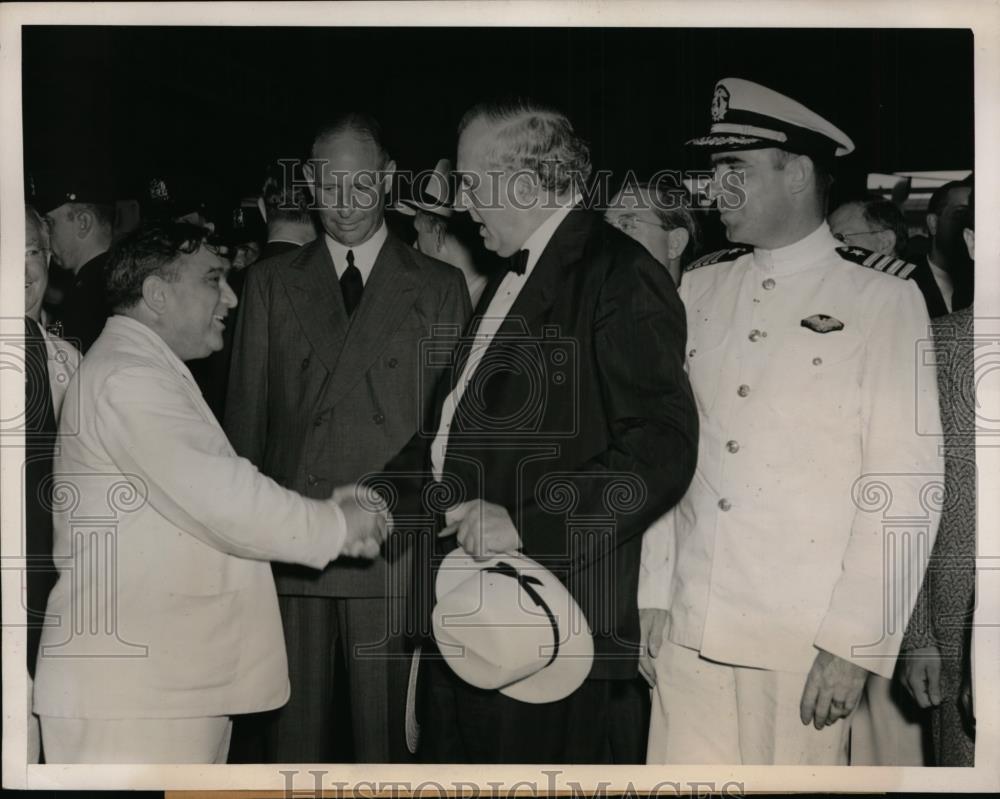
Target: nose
[{"x": 228, "y": 295}]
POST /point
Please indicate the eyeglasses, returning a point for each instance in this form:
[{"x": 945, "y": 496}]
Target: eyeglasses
[
  {"x": 626, "y": 222},
  {"x": 845, "y": 236}
]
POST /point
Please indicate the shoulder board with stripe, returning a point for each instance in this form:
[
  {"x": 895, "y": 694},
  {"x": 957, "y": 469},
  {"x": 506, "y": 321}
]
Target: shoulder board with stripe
[
  {"x": 718, "y": 257},
  {"x": 889, "y": 264}
]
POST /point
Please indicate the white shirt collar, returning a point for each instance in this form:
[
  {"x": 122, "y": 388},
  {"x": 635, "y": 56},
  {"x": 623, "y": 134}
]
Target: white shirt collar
[
  {"x": 364, "y": 253},
  {"x": 539, "y": 240},
  {"x": 803, "y": 254},
  {"x": 136, "y": 332}
]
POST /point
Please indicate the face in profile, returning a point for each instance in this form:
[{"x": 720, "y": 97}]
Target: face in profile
[
  {"x": 350, "y": 179},
  {"x": 36, "y": 267},
  {"x": 197, "y": 303},
  {"x": 752, "y": 196},
  {"x": 491, "y": 195}
]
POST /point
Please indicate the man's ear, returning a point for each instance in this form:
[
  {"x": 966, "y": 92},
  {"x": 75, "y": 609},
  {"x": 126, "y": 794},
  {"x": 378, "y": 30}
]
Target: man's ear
[
  {"x": 799, "y": 173},
  {"x": 932, "y": 222},
  {"x": 970, "y": 241},
  {"x": 677, "y": 240},
  {"x": 886, "y": 241},
  {"x": 85, "y": 222},
  {"x": 525, "y": 188},
  {"x": 154, "y": 294}
]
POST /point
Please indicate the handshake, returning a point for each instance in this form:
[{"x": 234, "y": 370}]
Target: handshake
[{"x": 368, "y": 520}]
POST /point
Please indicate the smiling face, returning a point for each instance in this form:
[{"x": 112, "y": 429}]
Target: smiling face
[
  {"x": 753, "y": 196},
  {"x": 196, "y": 302},
  {"x": 507, "y": 214},
  {"x": 350, "y": 179},
  {"x": 36, "y": 267}
]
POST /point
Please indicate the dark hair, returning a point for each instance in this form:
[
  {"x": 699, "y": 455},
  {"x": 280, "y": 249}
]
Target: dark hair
[
  {"x": 886, "y": 215},
  {"x": 939, "y": 199},
  {"x": 152, "y": 249},
  {"x": 360, "y": 123},
  {"x": 284, "y": 192},
  {"x": 537, "y": 138}
]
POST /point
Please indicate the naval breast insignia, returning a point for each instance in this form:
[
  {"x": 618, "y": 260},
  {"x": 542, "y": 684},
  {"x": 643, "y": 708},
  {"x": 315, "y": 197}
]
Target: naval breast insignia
[
  {"x": 718, "y": 257},
  {"x": 877, "y": 261},
  {"x": 821, "y": 323}
]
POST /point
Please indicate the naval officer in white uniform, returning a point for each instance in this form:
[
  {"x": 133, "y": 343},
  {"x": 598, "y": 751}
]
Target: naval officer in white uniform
[{"x": 776, "y": 585}]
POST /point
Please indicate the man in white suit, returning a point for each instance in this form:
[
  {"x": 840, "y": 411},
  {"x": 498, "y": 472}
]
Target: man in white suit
[{"x": 165, "y": 617}]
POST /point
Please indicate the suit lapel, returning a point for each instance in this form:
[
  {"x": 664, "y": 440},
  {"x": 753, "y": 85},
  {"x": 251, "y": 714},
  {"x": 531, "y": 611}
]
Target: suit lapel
[
  {"x": 391, "y": 289},
  {"x": 315, "y": 296},
  {"x": 564, "y": 249}
]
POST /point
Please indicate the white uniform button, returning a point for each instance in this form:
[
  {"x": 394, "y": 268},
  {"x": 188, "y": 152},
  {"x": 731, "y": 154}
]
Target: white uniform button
[
  {"x": 744, "y": 390},
  {"x": 733, "y": 446},
  {"x": 754, "y": 335},
  {"x": 725, "y": 504},
  {"x": 768, "y": 284},
  {"x": 817, "y": 361}
]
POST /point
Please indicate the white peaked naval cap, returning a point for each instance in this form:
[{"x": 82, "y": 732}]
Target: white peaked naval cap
[
  {"x": 746, "y": 115},
  {"x": 509, "y": 624}
]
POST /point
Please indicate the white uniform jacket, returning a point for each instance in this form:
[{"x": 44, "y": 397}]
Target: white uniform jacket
[
  {"x": 165, "y": 606},
  {"x": 817, "y": 493}
]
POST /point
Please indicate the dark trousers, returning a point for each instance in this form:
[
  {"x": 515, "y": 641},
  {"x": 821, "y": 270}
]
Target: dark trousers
[
  {"x": 376, "y": 663},
  {"x": 602, "y": 722}
]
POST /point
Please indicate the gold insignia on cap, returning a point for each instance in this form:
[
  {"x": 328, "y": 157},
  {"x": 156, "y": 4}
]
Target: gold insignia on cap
[
  {"x": 158, "y": 190},
  {"x": 720, "y": 103}
]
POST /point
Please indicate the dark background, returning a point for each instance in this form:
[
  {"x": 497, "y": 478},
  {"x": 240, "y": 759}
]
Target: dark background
[{"x": 221, "y": 101}]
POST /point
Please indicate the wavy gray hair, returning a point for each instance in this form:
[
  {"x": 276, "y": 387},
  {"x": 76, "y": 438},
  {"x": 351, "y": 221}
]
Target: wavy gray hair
[{"x": 536, "y": 138}]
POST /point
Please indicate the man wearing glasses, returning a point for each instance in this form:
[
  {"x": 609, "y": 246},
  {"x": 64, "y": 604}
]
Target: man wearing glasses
[{"x": 660, "y": 220}]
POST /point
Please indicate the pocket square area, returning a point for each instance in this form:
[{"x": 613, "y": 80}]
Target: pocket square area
[{"x": 821, "y": 323}]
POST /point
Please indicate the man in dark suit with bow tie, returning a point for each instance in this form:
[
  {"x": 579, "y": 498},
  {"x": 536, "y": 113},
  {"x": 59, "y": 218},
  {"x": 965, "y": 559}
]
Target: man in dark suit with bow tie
[
  {"x": 326, "y": 385},
  {"x": 567, "y": 427}
]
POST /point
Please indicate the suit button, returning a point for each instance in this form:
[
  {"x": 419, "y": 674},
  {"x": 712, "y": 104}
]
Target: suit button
[
  {"x": 744, "y": 390},
  {"x": 305, "y": 364},
  {"x": 768, "y": 284},
  {"x": 754, "y": 335},
  {"x": 313, "y": 479},
  {"x": 725, "y": 504},
  {"x": 392, "y": 363},
  {"x": 733, "y": 446},
  {"x": 378, "y": 418},
  {"x": 318, "y": 421}
]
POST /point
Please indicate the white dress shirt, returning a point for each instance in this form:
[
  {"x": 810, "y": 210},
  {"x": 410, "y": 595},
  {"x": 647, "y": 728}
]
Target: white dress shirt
[
  {"x": 364, "y": 253},
  {"x": 494, "y": 316}
]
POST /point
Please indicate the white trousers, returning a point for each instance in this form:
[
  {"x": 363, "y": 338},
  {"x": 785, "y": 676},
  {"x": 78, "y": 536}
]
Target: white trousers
[
  {"x": 198, "y": 740},
  {"x": 887, "y": 728},
  {"x": 710, "y": 713}
]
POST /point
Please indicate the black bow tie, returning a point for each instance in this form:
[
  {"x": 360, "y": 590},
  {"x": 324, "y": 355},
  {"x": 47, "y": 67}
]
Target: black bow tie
[{"x": 518, "y": 262}]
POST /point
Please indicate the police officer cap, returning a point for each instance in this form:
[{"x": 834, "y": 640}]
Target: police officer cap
[
  {"x": 171, "y": 195},
  {"x": 748, "y": 116},
  {"x": 47, "y": 190}
]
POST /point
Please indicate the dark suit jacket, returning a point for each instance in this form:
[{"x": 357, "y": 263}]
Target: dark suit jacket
[
  {"x": 84, "y": 309},
  {"x": 317, "y": 399},
  {"x": 579, "y": 420},
  {"x": 928, "y": 286}
]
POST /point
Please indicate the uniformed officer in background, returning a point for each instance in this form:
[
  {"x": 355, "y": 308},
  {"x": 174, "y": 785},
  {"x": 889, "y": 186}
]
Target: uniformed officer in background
[
  {"x": 79, "y": 210},
  {"x": 784, "y": 592}
]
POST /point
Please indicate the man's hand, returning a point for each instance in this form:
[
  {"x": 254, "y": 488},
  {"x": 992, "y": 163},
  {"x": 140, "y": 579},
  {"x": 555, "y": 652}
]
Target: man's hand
[
  {"x": 652, "y": 623},
  {"x": 367, "y": 521},
  {"x": 921, "y": 675},
  {"x": 483, "y": 529},
  {"x": 832, "y": 690}
]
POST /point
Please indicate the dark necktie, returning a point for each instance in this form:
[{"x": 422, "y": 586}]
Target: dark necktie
[
  {"x": 351, "y": 284},
  {"x": 518, "y": 262}
]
